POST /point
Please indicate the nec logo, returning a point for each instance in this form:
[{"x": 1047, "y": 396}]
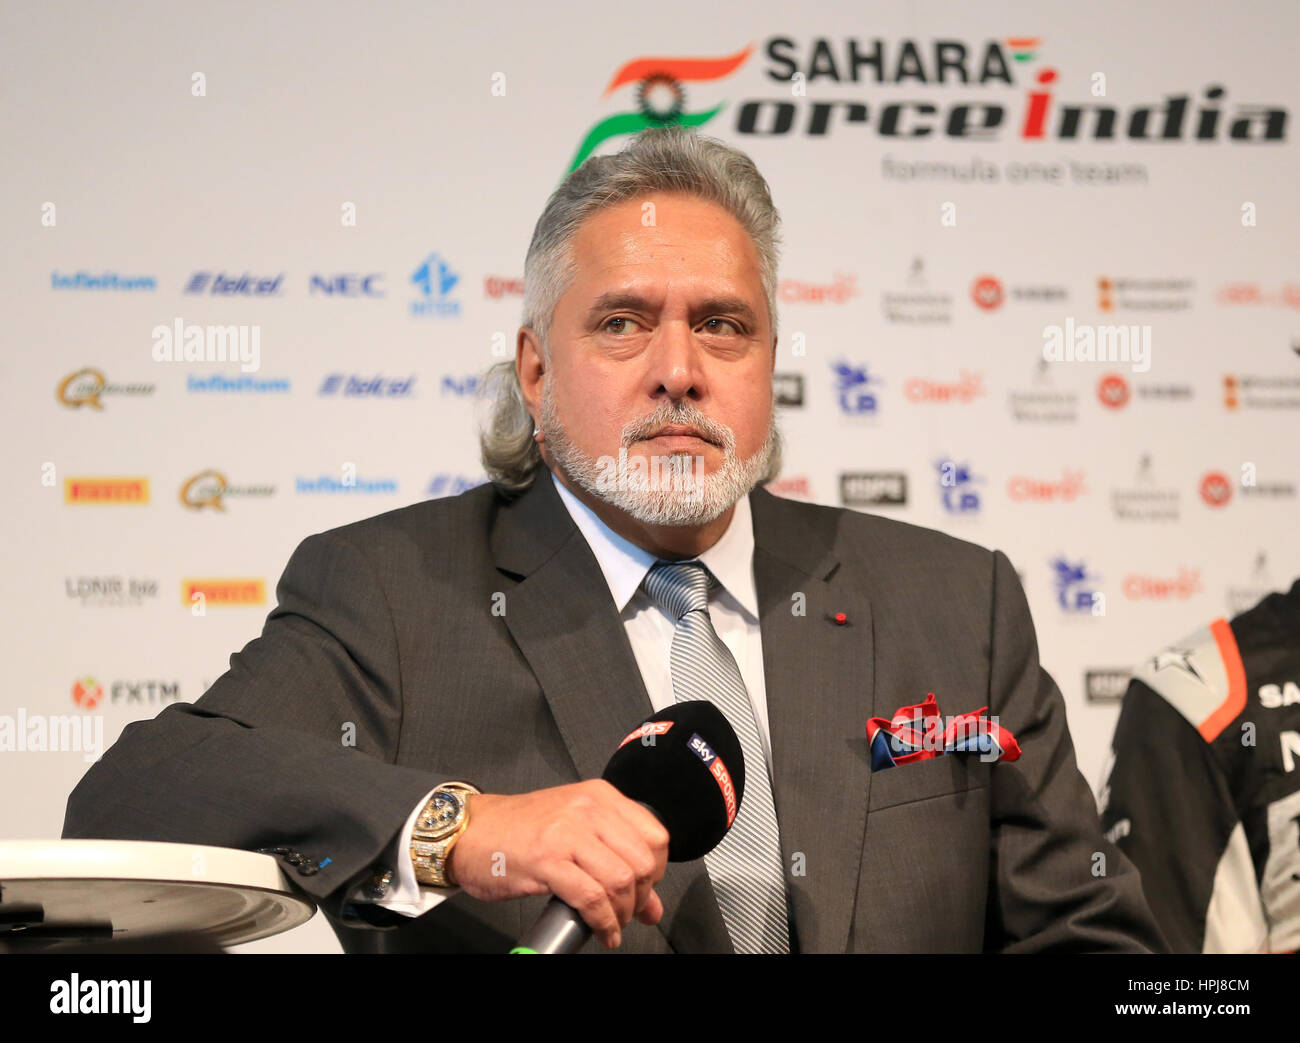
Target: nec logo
[
  {"x": 348, "y": 284},
  {"x": 701, "y": 749}
]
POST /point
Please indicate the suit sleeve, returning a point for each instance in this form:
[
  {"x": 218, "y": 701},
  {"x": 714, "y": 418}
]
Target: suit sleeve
[
  {"x": 293, "y": 748},
  {"x": 406, "y": 895},
  {"x": 1055, "y": 884}
]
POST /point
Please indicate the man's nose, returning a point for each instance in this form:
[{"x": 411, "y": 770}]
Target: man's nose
[{"x": 674, "y": 362}]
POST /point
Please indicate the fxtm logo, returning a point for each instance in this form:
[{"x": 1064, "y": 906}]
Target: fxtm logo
[{"x": 88, "y": 693}]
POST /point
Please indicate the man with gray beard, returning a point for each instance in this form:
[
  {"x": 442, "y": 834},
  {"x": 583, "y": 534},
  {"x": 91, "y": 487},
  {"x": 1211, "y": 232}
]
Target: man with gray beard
[{"x": 484, "y": 654}]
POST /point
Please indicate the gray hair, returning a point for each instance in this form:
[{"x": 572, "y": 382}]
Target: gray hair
[{"x": 659, "y": 159}]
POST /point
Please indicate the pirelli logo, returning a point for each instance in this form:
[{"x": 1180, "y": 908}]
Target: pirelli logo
[
  {"x": 224, "y": 591},
  {"x": 106, "y": 490}
]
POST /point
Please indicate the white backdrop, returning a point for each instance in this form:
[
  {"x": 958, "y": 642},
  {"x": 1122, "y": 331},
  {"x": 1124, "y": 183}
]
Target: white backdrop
[{"x": 358, "y": 185}]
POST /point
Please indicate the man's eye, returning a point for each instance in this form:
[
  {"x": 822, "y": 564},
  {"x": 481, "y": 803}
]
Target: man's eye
[
  {"x": 712, "y": 327},
  {"x": 623, "y": 327}
]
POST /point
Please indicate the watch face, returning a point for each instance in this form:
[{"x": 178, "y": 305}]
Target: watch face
[{"x": 443, "y": 814}]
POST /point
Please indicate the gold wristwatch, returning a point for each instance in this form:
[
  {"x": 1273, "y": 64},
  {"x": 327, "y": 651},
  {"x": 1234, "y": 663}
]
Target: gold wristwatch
[{"x": 437, "y": 828}]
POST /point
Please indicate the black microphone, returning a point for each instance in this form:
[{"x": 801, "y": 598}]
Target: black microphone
[{"x": 685, "y": 764}]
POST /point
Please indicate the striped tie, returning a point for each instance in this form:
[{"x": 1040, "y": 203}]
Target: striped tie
[{"x": 745, "y": 869}]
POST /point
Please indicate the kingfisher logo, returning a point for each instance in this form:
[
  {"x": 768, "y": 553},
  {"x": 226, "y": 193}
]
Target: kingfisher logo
[
  {"x": 853, "y": 386},
  {"x": 792, "y": 487},
  {"x": 957, "y": 490},
  {"x": 652, "y": 92},
  {"x": 1075, "y": 588},
  {"x": 435, "y": 280},
  {"x": 498, "y": 286}
]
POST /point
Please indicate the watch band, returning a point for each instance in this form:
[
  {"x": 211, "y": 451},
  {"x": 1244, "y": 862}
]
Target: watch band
[{"x": 440, "y": 823}]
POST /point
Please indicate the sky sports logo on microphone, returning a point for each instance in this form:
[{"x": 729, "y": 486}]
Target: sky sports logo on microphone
[
  {"x": 647, "y": 733},
  {"x": 719, "y": 772}
]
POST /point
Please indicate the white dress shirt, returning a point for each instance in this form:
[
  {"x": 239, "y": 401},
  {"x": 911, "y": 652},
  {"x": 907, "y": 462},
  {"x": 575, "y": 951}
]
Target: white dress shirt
[{"x": 733, "y": 608}]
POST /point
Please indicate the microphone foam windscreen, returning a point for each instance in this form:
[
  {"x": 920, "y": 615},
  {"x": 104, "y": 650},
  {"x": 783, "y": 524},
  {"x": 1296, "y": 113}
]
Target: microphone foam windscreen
[{"x": 685, "y": 762}]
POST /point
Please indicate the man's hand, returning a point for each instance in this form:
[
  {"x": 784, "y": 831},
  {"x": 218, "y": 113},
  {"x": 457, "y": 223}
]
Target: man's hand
[{"x": 586, "y": 843}]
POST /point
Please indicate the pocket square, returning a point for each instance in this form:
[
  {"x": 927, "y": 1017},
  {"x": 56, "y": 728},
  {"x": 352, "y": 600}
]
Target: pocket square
[{"x": 919, "y": 732}]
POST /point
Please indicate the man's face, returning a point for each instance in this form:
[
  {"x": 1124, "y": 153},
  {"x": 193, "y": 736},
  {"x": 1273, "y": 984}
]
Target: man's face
[{"x": 664, "y": 324}]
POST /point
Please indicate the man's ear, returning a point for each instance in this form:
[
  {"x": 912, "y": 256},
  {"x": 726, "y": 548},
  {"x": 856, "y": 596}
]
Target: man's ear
[{"x": 530, "y": 367}]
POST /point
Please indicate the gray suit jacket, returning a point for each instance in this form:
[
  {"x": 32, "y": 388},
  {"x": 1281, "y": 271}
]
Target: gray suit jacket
[{"x": 385, "y": 630}]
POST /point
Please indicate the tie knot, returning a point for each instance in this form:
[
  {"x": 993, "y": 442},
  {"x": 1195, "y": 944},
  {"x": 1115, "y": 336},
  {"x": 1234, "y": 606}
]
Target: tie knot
[{"x": 679, "y": 587}]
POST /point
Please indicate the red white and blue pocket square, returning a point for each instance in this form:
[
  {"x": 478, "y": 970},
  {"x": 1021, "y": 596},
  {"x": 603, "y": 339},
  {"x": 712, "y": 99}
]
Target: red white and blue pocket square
[{"x": 919, "y": 732}]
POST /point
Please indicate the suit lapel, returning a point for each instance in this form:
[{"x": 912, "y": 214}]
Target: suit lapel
[
  {"x": 819, "y": 677},
  {"x": 564, "y": 621}
]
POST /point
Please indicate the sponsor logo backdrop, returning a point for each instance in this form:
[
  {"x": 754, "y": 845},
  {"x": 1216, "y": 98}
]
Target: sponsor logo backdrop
[{"x": 337, "y": 201}]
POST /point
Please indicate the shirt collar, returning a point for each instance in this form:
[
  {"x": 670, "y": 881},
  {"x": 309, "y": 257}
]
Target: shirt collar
[{"x": 625, "y": 564}]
